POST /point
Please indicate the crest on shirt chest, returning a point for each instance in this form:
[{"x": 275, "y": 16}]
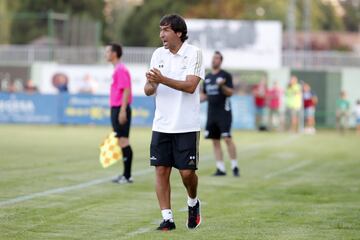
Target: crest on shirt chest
[{"x": 184, "y": 62}]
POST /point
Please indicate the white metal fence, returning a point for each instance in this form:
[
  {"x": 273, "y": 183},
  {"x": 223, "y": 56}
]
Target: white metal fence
[
  {"x": 89, "y": 55},
  {"x": 320, "y": 59}
]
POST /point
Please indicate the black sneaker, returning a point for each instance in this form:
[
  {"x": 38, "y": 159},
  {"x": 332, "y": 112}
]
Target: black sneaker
[
  {"x": 166, "y": 225},
  {"x": 122, "y": 180},
  {"x": 236, "y": 172},
  {"x": 219, "y": 173},
  {"x": 194, "y": 218}
]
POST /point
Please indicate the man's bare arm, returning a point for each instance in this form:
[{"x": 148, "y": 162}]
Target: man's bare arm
[
  {"x": 189, "y": 85},
  {"x": 149, "y": 88},
  {"x": 227, "y": 90},
  {"x": 203, "y": 97}
]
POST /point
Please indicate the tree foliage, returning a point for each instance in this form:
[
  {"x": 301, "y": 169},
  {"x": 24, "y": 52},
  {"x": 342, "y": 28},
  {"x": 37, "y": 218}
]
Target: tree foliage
[
  {"x": 23, "y": 20},
  {"x": 142, "y": 25},
  {"x": 29, "y": 18}
]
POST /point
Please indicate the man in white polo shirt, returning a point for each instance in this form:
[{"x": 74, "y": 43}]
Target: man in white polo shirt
[{"x": 175, "y": 72}]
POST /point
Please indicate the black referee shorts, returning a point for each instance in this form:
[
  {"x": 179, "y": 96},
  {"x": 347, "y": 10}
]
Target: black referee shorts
[
  {"x": 178, "y": 150},
  {"x": 218, "y": 126},
  {"x": 121, "y": 130}
]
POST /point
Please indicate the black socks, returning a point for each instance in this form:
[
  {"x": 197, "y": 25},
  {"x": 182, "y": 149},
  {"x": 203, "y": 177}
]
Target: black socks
[{"x": 127, "y": 159}]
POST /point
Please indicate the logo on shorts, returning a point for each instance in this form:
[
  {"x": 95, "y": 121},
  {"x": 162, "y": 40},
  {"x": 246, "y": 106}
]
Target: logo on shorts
[
  {"x": 153, "y": 158},
  {"x": 192, "y": 162},
  {"x": 225, "y": 134}
]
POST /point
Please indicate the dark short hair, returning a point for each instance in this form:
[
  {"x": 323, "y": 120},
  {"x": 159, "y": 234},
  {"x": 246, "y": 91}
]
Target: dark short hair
[
  {"x": 115, "y": 47},
  {"x": 219, "y": 53},
  {"x": 177, "y": 24}
]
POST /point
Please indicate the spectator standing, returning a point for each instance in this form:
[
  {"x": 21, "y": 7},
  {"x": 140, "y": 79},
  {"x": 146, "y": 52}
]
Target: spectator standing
[
  {"x": 357, "y": 114},
  {"x": 273, "y": 102},
  {"x": 259, "y": 93},
  {"x": 310, "y": 101},
  {"x": 293, "y": 98},
  {"x": 342, "y": 112}
]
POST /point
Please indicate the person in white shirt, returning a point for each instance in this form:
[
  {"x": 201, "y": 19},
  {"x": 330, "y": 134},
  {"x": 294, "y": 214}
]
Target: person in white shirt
[
  {"x": 175, "y": 72},
  {"x": 357, "y": 114}
]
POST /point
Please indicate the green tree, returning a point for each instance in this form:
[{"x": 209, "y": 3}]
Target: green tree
[
  {"x": 142, "y": 25},
  {"x": 115, "y": 20},
  {"x": 323, "y": 15},
  {"x": 6, "y": 7},
  {"x": 351, "y": 17},
  {"x": 30, "y": 18}
]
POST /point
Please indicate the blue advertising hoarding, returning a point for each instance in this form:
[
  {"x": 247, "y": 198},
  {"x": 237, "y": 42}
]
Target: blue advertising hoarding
[
  {"x": 26, "y": 108},
  {"x": 94, "y": 109},
  {"x": 85, "y": 109}
]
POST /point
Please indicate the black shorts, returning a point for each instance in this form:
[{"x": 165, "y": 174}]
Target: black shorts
[
  {"x": 218, "y": 126},
  {"x": 121, "y": 130},
  {"x": 178, "y": 150}
]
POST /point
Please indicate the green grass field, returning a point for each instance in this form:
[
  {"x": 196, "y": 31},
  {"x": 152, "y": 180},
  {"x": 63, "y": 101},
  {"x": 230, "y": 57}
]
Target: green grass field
[{"x": 292, "y": 187}]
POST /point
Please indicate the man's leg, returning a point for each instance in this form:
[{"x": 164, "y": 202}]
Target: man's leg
[
  {"x": 127, "y": 156},
  {"x": 122, "y": 133},
  {"x": 190, "y": 181},
  {"x": 294, "y": 121},
  {"x": 161, "y": 158},
  {"x": 220, "y": 165},
  {"x": 271, "y": 119},
  {"x": 163, "y": 186},
  {"x": 232, "y": 154},
  {"x": 258, "y": 117},
  {"x": 163, "y": 194}
]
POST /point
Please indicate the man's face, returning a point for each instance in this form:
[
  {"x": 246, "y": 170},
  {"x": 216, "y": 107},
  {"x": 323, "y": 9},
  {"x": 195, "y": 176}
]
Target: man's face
[
  {"x": 306, "y": 87},
  {"x": 109, "y": 54},
  {"x": 216, "y": 61},
  {"x": 168, "y": 37},
  {"x": 294, "y": 80}
]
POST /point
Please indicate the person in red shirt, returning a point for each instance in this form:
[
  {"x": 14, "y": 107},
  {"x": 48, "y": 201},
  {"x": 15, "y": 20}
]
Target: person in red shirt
[
  {"x": 259, "y": 93},
  {"x": 273, "y": 96},
  {"x": 310, "y": 101}
]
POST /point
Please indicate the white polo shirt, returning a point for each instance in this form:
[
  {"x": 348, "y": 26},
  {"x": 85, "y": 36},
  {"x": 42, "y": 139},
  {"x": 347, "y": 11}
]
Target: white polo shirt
[{"x": 177, "y": 111}]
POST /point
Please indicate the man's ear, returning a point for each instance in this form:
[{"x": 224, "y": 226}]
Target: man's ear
[{"x": 179, "y": 34}]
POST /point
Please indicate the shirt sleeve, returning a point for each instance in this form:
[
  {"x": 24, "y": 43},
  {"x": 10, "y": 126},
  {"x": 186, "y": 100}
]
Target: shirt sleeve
[
  {"x": 229, "y": 81},
  {"x": 196, "y": 65},
  {"x": 203, "y": 87},
  {"x": 153, "y": 61},
  {"x": 123, "y": 79}
]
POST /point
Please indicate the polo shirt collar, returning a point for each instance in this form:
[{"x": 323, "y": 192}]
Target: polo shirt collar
[{"x": 181, "y": 51}]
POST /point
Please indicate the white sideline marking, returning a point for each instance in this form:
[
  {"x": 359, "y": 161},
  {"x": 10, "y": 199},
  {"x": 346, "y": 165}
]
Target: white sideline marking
[
  {"x": 66, "y": 189},
  {"x": 139, "y": 231},
  {"x": 288, "y": 169},
  {"x": 137, "y": 173}
]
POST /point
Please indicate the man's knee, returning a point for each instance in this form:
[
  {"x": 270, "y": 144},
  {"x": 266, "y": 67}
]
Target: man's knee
[
  {"x": 216, "y": 143},
  {"x": 123, "y": 142},
  {"x": 187, "y": 174},
  {"x": 228, "y": 140},
  {"x": 162, "y": 171}
]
